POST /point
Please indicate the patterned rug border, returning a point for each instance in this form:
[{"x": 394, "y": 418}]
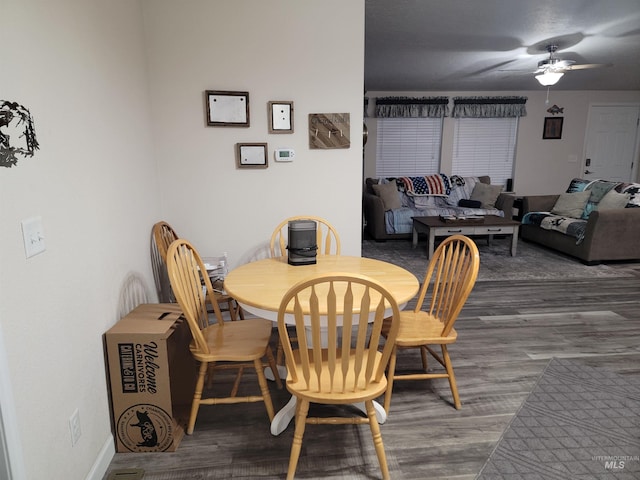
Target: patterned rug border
[{"x": 565, "y": 443}]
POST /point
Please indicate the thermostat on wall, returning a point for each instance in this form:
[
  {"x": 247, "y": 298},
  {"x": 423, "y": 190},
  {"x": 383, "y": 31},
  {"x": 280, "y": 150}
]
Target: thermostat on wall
[{"x": 284, "y": 154}]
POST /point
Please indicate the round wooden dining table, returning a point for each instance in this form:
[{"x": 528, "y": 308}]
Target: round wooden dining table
[{"x": 259, "y": 287}]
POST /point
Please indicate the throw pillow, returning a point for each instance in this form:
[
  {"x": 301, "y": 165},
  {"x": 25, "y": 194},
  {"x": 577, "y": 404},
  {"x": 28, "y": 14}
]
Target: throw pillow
[
  {"x": 613, "y": 200},
  {"x": 578, "y": 185},
  {"x": 388, "y": 193},
  {"x": 486, "y": 194},
  {"x": 571, "y": 204},
  {"x": 599, "y": 189},
  {"x": 369, "y": 183}
]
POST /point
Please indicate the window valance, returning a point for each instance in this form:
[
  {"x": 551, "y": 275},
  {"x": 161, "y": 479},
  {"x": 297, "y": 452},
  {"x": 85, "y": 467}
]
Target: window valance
[
  {"x": 489, "y": 107},
  {"x": 406, "y": 107}
]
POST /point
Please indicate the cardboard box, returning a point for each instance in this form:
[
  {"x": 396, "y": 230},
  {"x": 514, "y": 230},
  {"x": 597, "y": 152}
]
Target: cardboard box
[{"x": 152, "y": 377}]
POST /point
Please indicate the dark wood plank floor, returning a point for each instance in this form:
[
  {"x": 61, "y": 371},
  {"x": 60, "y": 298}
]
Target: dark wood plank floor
[{"x": 507, "y": 332}]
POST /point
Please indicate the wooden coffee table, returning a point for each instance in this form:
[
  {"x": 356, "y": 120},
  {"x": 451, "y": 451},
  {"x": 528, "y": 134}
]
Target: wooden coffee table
[{"x": 490, "y": 225}]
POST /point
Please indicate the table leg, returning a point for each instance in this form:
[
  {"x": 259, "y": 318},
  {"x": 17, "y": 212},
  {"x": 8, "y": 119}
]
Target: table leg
[
  {"x": 432, "y": 242},
  {"x": 414, "y": 241},
  {"x": 282, "y": 419},
  {"x": 282, "y": 371},
  {"x": 514, "y": 241},
  {"x": 381, "y": 414}
]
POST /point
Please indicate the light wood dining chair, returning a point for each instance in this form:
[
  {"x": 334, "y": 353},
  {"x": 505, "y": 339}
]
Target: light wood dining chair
[
  {"x": 327, "y": 237},
  {"x": 337, "y": 319},
  {"x": 450, "y": 277},
  {"x": 241, "y": 344},
  {"x": 164, "y": 235}
]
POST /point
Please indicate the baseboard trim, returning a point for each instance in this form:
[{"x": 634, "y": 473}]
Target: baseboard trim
[{"x": 103, "y": 460}]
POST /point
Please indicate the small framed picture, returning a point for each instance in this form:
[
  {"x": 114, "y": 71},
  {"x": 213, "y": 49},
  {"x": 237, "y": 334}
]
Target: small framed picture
[
  {"x": 227, "y": 109},
  {"x": 251, "y": 155},
  {"x": 552, "y": 128},
  {"x": 280, "y": 117}
]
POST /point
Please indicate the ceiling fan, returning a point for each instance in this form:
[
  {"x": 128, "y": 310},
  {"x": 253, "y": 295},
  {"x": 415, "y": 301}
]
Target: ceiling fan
[{"x": 551, "y": 70}]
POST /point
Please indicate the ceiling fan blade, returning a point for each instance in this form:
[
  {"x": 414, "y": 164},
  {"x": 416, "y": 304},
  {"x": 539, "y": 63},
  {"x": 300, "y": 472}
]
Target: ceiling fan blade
[{"x": 584, "y": 66}]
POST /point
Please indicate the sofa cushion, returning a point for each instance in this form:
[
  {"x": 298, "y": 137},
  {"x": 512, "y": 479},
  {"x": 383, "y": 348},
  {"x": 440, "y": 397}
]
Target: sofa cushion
[
  {"x": 388, "y": 193},
  {"x": 424, "y": 201},
  {"x": 571, "y": 204},
  {"x": 613, "y": 200},
  {"x": 486, "y": 194}
]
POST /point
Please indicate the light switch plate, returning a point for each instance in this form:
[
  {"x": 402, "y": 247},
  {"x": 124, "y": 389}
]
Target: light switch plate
[{"x": 33, "y": 236}]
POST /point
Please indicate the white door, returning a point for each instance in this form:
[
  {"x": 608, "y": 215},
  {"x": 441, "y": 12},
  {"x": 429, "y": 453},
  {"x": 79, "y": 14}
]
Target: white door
[{"x": 612, "y": 138}]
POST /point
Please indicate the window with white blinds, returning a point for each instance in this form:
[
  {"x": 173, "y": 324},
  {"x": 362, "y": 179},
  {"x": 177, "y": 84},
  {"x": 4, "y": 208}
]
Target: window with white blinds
[
  {"x": 485, "y": 146},
  {"x": 408, "y": 146}
]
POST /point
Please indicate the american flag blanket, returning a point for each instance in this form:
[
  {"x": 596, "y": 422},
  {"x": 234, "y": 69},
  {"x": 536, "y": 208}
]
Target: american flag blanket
[{"x": 437, "y": 184}]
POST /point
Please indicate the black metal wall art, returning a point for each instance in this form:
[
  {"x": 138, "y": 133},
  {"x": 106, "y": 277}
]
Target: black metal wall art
[{"x": 17, "y": 133}]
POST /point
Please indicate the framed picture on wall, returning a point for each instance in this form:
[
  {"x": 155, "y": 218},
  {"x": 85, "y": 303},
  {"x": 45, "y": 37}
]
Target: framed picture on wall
[
  {"x": 552, "y": 128},
  {"x": 251, "y": 155},
  {"x": 227, "y": 109},
  {"x": 280, "y": 117}
]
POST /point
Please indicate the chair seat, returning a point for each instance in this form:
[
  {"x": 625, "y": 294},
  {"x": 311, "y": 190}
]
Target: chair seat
[
  {"x": 420, "y": 329},
  {"x": 222, "y": 297},
  {"x": 237, "y": 341},
  {"x": 334, "y": 395}
]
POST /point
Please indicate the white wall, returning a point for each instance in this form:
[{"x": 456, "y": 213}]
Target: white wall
[
  {"x": 541, "y": 166},
  {"x": 314, "y": 58},
  {"x": 79, "y": 67},
  {"x": 121, "y": 148}
]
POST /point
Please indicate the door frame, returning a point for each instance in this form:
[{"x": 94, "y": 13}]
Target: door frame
[{"x": 636, "y": 149}]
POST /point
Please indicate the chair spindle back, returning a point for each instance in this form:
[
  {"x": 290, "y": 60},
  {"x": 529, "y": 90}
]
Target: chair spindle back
[
  {"x": 451, "y": 275},
  {"x": 192, "y": 288},
  {"x": 338, "y": 322}
]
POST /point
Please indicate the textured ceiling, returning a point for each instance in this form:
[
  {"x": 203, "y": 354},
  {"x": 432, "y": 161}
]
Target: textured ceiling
[{"x": 422, "y": 45}]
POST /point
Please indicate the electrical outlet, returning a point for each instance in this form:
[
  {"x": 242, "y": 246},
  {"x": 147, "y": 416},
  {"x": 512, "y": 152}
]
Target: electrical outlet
[{"x": 74, "y": 427}]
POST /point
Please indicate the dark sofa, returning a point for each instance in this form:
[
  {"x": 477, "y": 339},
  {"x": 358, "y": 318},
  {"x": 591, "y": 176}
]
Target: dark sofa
[{"x": 608, "y": 234}]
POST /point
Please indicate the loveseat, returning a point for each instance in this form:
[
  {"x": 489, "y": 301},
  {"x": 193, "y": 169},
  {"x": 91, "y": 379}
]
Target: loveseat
[
  {"x": 390, "y": 202},
  {"x": 594, "y": 221}
]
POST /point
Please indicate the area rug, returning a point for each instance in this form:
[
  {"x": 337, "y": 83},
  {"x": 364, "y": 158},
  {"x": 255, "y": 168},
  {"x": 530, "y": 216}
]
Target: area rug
[
  {"x": 532, "y": 262},
  {"x": 579, "y": 422}
]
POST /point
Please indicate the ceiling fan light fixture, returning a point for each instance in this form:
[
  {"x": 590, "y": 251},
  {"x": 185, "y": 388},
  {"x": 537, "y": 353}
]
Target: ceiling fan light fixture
[{"x": 549, "y": 78}]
